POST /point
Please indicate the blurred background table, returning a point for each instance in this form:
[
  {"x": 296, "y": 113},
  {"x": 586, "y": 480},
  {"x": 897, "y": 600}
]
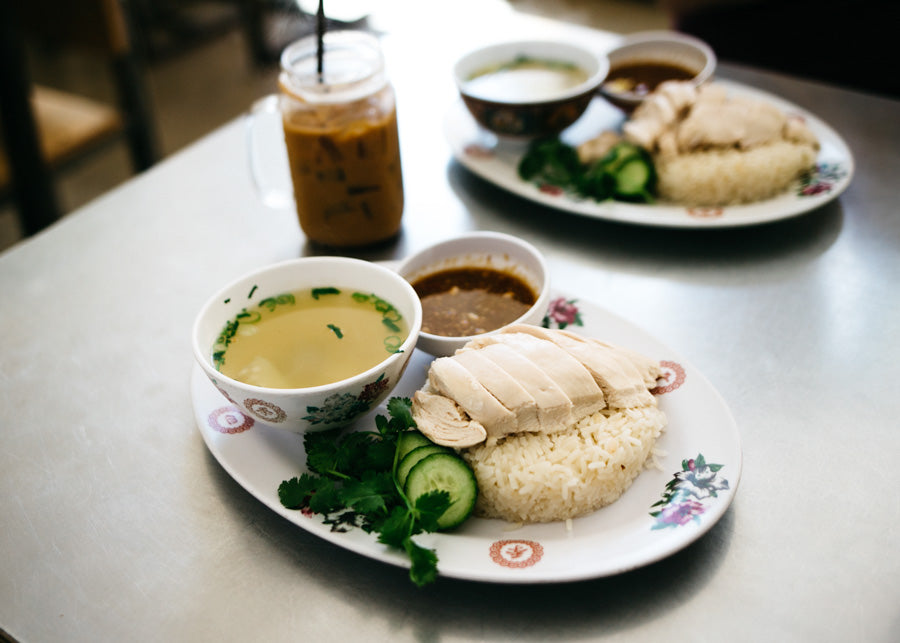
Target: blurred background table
[{"x": 119, "y": 525}]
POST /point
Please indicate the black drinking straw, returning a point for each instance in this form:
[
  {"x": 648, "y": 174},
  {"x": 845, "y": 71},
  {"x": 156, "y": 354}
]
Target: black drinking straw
[{"x": 320, "y": 35}]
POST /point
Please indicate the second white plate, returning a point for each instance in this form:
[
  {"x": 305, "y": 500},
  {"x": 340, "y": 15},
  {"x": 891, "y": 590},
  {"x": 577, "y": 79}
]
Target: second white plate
[{"x": 497, "y": 161}]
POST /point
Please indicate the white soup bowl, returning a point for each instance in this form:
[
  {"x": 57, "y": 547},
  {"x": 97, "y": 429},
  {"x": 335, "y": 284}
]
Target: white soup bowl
[{"x": 320, "y": 407}]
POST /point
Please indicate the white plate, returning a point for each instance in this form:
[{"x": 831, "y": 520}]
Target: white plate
[
  {"x": 497, "y": 160},
  {"x": 614, "y": 539}
]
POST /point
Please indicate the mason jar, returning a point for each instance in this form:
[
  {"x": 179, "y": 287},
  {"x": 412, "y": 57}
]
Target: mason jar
[{"x": 339, "y": 115}]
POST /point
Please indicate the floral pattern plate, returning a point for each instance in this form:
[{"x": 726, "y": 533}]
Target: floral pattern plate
[
  {"x": 662, "y": 512},
  {"x": 497, "y": 160}
]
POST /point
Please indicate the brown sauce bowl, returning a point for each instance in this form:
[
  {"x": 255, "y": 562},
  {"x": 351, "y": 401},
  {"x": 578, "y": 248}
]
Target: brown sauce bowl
[
  {"x": 668, "y": 48},
  {"x": 494, "y": 250}
]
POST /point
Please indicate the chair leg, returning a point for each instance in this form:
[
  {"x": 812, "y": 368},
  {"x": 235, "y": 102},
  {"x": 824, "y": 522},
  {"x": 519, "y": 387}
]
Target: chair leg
[
  {"x": 32, "y": 182},
  {"x": 134, "y": 99},
  {"x": 253, "y": 20},
  {"x": 140, "y": 127}
]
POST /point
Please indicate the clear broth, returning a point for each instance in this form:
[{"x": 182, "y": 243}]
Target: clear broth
[
  {"x": 309, "y": 338},
  {"x": 525, "y": 79}
]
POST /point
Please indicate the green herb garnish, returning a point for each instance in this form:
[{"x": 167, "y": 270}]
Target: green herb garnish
[
  {"x": 278, "y": 300},
  {"x": 626, "y": 173},
  {"x": 246, "y": 317},
  {"x": 223, "y": 340},
  {"x": 389, "y": 317},
  {"x": 318, "y": 292},
  {"x": 336, "y": 331},
  {"x": 353, "y": 482}
]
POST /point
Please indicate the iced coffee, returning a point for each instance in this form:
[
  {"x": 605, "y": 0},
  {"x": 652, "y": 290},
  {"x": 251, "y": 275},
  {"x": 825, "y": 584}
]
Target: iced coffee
[{"x": 345, "y": 165}]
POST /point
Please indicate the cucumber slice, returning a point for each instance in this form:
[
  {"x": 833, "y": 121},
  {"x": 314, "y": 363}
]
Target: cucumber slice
[
  {"x": 444, "y": 472},
  {"x": 634, "y": 178},
  {"x": 412, "y": 458},
  {"x": 409, "y": 440},
  {"x": 619, "y": 154}
]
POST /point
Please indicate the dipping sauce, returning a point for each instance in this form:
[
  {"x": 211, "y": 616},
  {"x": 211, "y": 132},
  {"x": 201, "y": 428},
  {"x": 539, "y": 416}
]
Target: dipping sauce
[
  {"x": 642, "y": 77},
  {"x": 469, "y": 301},
  {"x": 525, "y": 79},
  {"x": 309, "y": 338}
]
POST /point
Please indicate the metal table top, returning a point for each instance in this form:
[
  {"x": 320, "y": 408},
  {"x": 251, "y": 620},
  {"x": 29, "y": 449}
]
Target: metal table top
[{"x": 118, "y": 524}]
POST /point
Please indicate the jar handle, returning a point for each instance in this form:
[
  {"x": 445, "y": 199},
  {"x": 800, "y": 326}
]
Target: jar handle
[{"x": 266, "y": 153}]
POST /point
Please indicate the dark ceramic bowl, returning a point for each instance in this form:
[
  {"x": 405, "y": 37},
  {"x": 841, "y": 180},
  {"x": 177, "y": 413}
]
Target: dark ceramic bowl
[{"x": 532, "y": 117}]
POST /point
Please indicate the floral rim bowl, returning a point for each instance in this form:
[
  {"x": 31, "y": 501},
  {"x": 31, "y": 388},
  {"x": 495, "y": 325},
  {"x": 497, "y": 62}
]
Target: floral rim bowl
[
  {"x": 530, "y": 118},
  {"x": 312, "y": 408}
]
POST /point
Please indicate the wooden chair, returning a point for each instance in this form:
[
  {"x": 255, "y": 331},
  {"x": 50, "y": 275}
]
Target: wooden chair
[{"x": 44, "y": 128}]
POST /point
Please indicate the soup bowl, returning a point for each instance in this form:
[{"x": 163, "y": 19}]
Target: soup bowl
[
  {"x": 323, "y": 406},
  {"x": 677, "y": 55},
  {"x": 506, "y": 109},
  {"x": 501, "y": 252}
]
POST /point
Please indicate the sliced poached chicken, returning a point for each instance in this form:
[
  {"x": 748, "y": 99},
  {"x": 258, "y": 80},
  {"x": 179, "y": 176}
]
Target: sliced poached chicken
[
  {"x": 451, "y": 379},
  {"x": 613, "y": 370},
  {"x": 446, "y": 422},
  {"x": 528, "y": 379},
  {"x": 553, "y": 406},
  {"x": 568, "y": 373}
]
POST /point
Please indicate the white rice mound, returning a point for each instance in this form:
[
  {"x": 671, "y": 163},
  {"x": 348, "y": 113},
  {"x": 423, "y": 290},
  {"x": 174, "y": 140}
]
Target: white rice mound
[
  {"x": 728, "y": 177},
  {"x": 530, "y": 477}
]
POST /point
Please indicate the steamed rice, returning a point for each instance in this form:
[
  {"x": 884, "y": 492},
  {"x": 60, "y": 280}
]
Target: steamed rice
[
  {"x": 727, "y": 177},
  {"x": 531, "y": 477}
]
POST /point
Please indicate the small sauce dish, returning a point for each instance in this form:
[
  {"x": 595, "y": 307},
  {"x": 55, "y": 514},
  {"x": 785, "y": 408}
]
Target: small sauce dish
[
  {"x": 645, "y": 59},
  {"x": 467, "y": 266}
]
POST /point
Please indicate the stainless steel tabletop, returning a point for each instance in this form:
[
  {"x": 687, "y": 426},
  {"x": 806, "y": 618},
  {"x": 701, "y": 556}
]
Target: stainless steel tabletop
[{"x": 118, "y": 524}]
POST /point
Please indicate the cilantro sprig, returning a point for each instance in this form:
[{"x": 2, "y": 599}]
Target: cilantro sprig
[{"x": 352, "y": 481}]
